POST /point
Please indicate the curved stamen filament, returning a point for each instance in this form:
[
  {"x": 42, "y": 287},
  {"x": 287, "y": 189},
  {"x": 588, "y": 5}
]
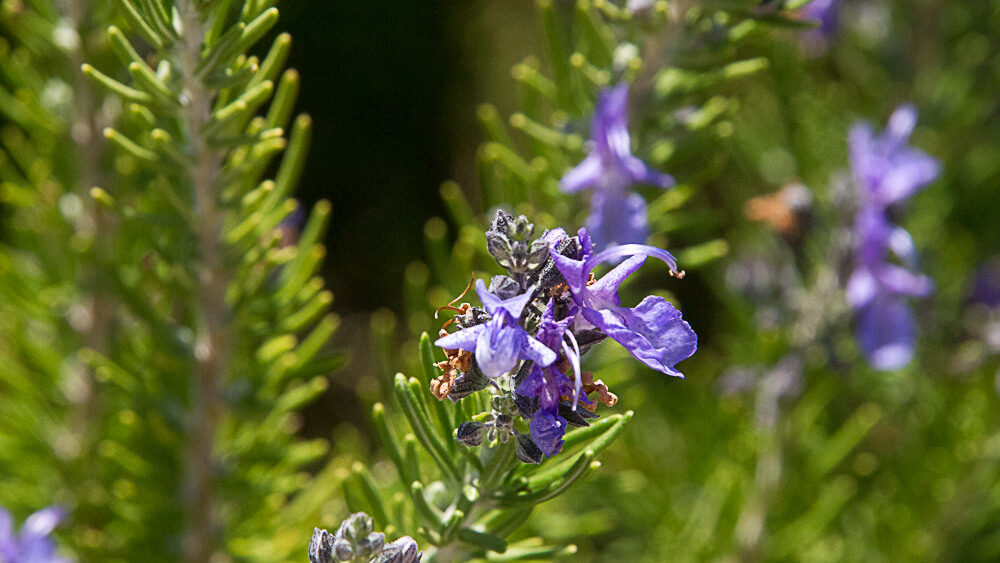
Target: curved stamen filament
[
  {"x": 629, "y": 250},
  {"x": 451, "y": 305},
  {"x": 574, "y": 359}
]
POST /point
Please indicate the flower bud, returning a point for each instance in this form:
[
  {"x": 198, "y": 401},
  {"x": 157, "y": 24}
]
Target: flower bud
[
  {"x": 343, "y": 550},
  {"x": 356, "y": 527},
  {"x": 321, "y": 547},
  {"x": 527, "y": 451},
  {"x": 403, "y": 550},
  {"x": 470, "y": 433}
]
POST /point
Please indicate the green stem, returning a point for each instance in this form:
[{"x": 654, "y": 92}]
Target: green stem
[{"x": 211, "y": 340}]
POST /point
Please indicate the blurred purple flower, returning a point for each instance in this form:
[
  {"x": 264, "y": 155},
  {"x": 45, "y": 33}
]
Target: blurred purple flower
[
  {"x": 500, "y": 342},
  {"x": 653, "y": 332},
  {"x": 825, "y": 12},
  {"x": 986, "y": 284},
  {"x": 549, "y": 384},
  {"x": 886, "y": 171},
  {"x": 33, "y": 544},
  {"x": 616, "y": 215}
]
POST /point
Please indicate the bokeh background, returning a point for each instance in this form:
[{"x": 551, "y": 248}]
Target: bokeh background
[
  {"x": 843, "y": 462},
  {"x": 781, "y": 444}
]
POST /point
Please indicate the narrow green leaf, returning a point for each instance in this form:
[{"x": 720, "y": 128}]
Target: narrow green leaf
[
  {"x": 148, "y": 82},
  {"x": 370, "y": 492},
  {"x": 423, "y": 428},
  {"x": 139, "y": 24},
  {"x": 129, "y": 145},
  {"x": 526, "y": 550},
  {"x": 115, "y": 87},
  {"x": 482, "y": 540},
  {"x": 294, "y": 160},
  {"x": 275, "y": 60},
  {"x": 158, "y": 19},
  {"x": 389, "y": 442},
  {"x": 458, "y": 204},
  {"x": 309, "y": 313},
  {"x": 431, "y": 516},
  {"x": 319, "y": 337},
  {"x": 122, "y": 47},
  {"x": 284, "y": 100}
]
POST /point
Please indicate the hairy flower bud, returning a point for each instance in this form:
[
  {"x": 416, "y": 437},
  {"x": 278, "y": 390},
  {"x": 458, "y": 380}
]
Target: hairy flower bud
[
  {"x": 527, "y": 450},
  {"x": 470, "y": 433},
  {"x": 321, "y": 547},
  {"x": 403, "y": 550},
  {"x": 356, "y": 528},
  {"x": 343, "y": 550}
]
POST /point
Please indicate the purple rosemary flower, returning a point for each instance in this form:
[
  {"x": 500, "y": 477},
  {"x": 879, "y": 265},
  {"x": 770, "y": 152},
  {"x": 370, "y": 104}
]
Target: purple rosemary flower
[
  {"x": 825, "y": 12},
  {"x": 886, "y": 171},
  {"x": 616, "y": 215},
  {"x": 33, "y": 544},
  {"x": 653, "y": 332},
  {"x": 548, "y": 384},
  {"x": 500, "y": 342}
]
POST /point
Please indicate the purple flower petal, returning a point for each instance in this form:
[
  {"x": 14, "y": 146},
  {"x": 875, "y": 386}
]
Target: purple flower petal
[
  {"x": 547, "y": 431},
  {"x": 606, "y": 288},
  {"x": 464, "y": 339},
  {"x": 42, "y": 522},
  {"x": 494, "y": 305},
  {"x": 643, "y": 174},
  {"x": 616, "y": 217},
  {"x": 537, "y": 352},
  {"x": 498, "y": 349},
  {"x": 886, "y": 333},
  {"x": 616, "y": 220},
  {"x": 584, "y": 175},
  {"x": 653, "y": 333}
]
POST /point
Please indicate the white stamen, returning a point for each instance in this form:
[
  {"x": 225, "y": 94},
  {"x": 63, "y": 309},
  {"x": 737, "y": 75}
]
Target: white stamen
[{"x": 574, "y": 358}]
